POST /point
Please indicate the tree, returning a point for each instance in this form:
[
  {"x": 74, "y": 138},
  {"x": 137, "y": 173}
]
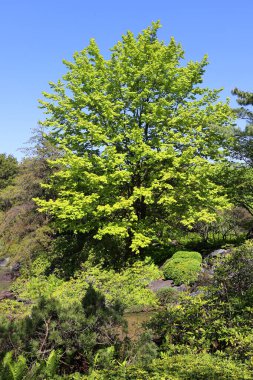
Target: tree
[
  {"x": 24, "y": 232},
  {"x": 243, "y": 147},
  {"x": 8, "y": 169},
  {"x": 140, "y": 138},
  {"x": 244, "y": 98},
  {"x": 238, "y": 177}
]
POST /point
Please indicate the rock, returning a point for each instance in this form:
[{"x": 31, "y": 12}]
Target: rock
[
  {"x": 15, "y": 267},
  {"x": 208, "y": 271},
  {"x": 181, "y": 288},
  {"x": 15, "y": 270},
  {"x": 4, "y": 262},
  {"x": 26, "y": 302},
  {"x": 7, "y": 294},
  {"x": 250, "y": 234},
  {"x": 5, "y": 276},
  {"x": 160, "y": 284},
  {"x": 163, "y": 284},
  {"x": 175, "y": 243},
  {"x": 196, "y": 293},
  {"x": 218, "y": 252}
]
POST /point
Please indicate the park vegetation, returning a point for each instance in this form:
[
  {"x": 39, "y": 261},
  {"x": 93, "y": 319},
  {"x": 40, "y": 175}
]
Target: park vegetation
[{"x": 137, "y": 176}]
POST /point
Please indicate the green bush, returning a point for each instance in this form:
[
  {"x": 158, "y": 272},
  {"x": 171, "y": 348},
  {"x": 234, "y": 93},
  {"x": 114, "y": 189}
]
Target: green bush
[
  {"x": 75, "y": 330},
  {"x": 188, "y": 255},
  {"x": 183, "y": 267}
]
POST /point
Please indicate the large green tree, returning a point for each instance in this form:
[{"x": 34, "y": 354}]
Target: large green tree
[{"x": 139, "y": 137}]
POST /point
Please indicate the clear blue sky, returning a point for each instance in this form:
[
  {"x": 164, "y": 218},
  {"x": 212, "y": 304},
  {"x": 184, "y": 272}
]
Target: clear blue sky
[{"x": 37, "y": 34}]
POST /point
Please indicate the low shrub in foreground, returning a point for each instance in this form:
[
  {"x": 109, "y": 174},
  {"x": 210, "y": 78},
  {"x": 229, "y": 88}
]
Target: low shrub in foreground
[{"x": 179, "y": 367}]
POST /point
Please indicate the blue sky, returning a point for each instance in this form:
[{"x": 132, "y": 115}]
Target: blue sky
[{"x": 36, "y": 35}]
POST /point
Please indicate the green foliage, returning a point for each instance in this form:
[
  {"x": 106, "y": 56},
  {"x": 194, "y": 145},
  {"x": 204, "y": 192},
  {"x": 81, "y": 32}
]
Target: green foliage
[
  {"x": 137, "y": 164},
  {"x": 8, "y": 169},
  {"x": 244, "y": 99},
  {"x": 128, "y": 285},
  {"x": 105, "y": 358},
  {"x": 17, "y": 369},
  {"x": 238, "y": 176},
  {"x": 206, "y": 336},
  {"x": 205, "y": 324},
  {"x": 24, "y": 232},
  {"x": 13, "y": 309},
  {"x": 183, "y": 267},
  {"x": 13, "y": 369},
  {"x": 180, "y": 367},
  {"x": 52, "y": 364},
  {"x": 231, "y": 225},
  {"x": 139, "y": 139},
  {"x": 143, "y": 351},
  {"x": 217, "y": 320},
  {"x": 167, "y": 295},
  {"x": 234, "y": 278},
  {"x": 72, "y": 332},
  {"x": 188, "y": 255}
]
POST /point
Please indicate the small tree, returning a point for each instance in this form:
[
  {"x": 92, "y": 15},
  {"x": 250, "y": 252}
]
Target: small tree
[{"x": 140, "y": 139}]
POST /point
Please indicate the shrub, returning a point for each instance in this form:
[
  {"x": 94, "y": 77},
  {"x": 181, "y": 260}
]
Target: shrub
[
  {"x": 183, "y": 267},
  {"x": 179, "y": 367},
  {"x": 75, "y": 330},
  {"x": 188, "y": 255},
  {"x": 128, "y": 285},
  {"x": 167, "y": 295}
]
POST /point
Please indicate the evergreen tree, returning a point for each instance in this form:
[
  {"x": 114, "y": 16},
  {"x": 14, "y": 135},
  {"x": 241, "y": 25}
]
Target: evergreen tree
[
  {"x": 243, "y": 146},
  {"x": 239, "y": 175},
  {"x": 244, "y": 99}
]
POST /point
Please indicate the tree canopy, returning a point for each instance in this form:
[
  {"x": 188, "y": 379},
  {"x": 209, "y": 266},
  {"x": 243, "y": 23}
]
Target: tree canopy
[
  {"x": 243, "y": 146},
  {"x": 8, "y": 169},
  {"x": 239, "y": 174},
  {"x": 139, "y": 137}
]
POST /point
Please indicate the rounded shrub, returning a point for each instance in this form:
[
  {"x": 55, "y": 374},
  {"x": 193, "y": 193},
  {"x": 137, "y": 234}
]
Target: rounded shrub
[
  {"x": 188, "y": 255},
  {"x": 183, "y": 267}
]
